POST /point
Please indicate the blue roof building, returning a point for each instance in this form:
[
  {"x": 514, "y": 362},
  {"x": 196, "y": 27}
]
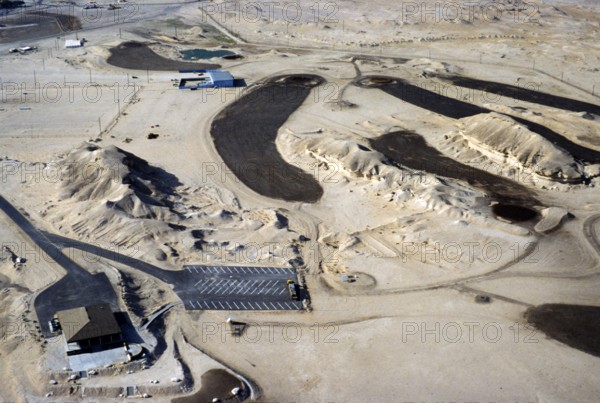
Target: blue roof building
[{"x": 206, "y": 79}]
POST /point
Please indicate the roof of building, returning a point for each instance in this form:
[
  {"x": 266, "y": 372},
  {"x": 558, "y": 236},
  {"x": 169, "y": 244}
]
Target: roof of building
[
  {"x": 220, "y": 75},
  {"x": 88, "y": 322},
  {"x": 72, "y": 43}
]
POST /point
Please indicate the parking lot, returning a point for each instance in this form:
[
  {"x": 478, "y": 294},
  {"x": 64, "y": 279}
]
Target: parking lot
[{"x": 235, "y": 288}]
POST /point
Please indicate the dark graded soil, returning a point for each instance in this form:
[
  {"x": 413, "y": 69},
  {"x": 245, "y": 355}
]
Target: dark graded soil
[
  {"x": 244, "y": 134},
  {"x": 524, "y": 93},
  {"x": 456, "y": 109},
  {"x": 216, "y": 383},
  {"x": 514, "y": 212},
  {"x": 577, "y": 326},
  {"x": 411, "y": 150},
  {"x": 138, "y": 56}
]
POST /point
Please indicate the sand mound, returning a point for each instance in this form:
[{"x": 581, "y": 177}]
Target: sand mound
[
  {"x": 502, "y": 139},
  {"x": 119, "y": 179},
  {"x": 113, "y": 194},
  {"x": 403, "y": 185}
]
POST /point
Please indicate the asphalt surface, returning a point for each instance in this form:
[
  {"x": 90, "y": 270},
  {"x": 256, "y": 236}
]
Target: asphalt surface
[
  {"x": 241, "y": 288},
  {"x": 244, "y": 135},
  {"x": 235, "y": 288},
  {"x": 30, "y": 26},
  {"x": 253, "y": 288},
  {"x": 77, "y": 288}
]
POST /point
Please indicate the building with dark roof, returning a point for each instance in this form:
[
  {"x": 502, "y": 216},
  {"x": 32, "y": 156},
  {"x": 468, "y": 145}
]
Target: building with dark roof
[{"x": 89, "y": 328}]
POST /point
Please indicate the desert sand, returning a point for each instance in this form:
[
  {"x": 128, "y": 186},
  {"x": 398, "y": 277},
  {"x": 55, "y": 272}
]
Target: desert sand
[{"x": 467, "y": 215}]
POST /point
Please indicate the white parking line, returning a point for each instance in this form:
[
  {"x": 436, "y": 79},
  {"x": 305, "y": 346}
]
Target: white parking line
[
  {"x": 250, "y": 286},
  {"x": 192, "y": 304},
  {"x": 209, "y": 288},
  {"x": 236, "y": 307},
  {"x": 242, "y": 304}
]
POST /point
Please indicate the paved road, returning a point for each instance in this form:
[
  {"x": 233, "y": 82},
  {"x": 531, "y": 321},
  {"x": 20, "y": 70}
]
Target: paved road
[
  {"x": 244, "y": 288},
  {"x": 77, "y": 288},
  {"x": 240, "y": 288}
]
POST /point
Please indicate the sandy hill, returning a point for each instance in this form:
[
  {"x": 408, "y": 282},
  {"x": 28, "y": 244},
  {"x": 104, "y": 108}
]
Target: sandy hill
[{"x": 501, "y": 139}]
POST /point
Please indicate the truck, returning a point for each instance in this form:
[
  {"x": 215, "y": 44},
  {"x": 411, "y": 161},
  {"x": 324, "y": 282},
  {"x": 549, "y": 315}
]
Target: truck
[{"x": 291, "y": 286}]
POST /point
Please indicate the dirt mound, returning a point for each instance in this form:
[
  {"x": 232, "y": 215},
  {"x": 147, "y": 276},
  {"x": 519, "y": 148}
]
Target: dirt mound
[
  {"x": 111, "y": 193},
  {"x": 119, "y": 179},
  {"x": 501, "y": 138}
]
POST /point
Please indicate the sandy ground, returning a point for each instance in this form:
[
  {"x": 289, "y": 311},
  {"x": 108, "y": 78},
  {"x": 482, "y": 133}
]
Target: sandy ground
[{"x": 423, "y": 245}]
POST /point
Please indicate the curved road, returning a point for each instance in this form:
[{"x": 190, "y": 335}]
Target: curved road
[{"x": 77, "y": 288}]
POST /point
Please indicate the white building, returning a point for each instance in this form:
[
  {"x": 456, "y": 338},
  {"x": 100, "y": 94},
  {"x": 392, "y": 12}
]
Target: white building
[{"x": 73, "y": 43}]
